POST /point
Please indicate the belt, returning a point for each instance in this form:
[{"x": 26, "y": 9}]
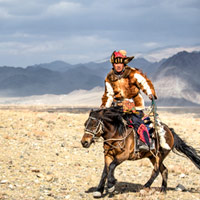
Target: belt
[{"x": 117, "y": 103}]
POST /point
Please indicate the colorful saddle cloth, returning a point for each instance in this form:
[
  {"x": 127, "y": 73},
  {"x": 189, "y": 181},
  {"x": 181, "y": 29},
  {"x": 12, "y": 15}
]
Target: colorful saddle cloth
[{"x": 141, "y": 126}]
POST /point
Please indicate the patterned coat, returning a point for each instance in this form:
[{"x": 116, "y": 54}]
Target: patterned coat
[{"x": 127, "y": 86}]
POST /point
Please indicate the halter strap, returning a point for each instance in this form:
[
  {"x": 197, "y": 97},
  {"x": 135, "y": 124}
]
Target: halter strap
[{"x": 99, "y": 127}]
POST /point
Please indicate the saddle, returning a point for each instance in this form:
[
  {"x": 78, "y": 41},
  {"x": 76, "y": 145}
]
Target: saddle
[
  {"x": 142, "y": 126},
  {"x": 142, "y": 146},
  {"x": 144, "y": 140}
]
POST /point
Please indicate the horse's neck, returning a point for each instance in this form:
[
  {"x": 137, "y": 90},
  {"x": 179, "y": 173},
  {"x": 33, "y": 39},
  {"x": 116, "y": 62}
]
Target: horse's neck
[{"x": 109, "y": 132}]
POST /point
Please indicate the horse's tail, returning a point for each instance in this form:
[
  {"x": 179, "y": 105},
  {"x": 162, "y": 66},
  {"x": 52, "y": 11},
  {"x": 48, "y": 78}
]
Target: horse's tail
[{"x": 189, "y": 151}]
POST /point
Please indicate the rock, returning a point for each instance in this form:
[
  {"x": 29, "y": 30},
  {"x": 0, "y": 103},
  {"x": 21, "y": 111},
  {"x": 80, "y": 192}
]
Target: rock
[
  {"x": 40, "y": 175},
  {"x": 4, "y": 182},
  {"x": 35, "y": 170},
  {"x": 63, "y": 145},
  {"x": 49, "y": 178},
  {"x": 64, "y": 188},
  {"x": 67, "y": 197},
  {"x": 180, "y": 187},
  {"x": 182, "y": 176},
  {"x": 11, "y": 187},
  {"x": 143, "y": 192}
]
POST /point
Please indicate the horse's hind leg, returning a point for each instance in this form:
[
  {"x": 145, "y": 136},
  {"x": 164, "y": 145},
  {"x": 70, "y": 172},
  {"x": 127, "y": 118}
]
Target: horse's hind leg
[
  {"x": 158, "y": 167},
  {"x": 154, "y": 174},
  {"x": 164, "y": 173}
]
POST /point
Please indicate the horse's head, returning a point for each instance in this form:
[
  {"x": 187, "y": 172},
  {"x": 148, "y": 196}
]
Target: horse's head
[
  {"x": 102, "y": 122},
  {"x": 93, "y": 128}
]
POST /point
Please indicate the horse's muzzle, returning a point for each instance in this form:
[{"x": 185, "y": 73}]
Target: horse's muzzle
[{"x": 86, "y": 144}]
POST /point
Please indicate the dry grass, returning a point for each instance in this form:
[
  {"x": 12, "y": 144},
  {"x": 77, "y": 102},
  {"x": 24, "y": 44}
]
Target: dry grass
[{"x": 41, "y": 158}]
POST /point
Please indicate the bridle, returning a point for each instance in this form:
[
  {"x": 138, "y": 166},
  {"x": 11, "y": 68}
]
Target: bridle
[
  {"x": 99, "y": 127},
  {"x": 100, "y": 130}
]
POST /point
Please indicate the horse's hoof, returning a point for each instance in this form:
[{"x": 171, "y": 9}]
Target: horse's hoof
[
  {"x": 96, "y": 194},
  {"x": 146, "y": 186},
  {"x": 163, "y": 190},
  {"x": 112, "y": 189}
]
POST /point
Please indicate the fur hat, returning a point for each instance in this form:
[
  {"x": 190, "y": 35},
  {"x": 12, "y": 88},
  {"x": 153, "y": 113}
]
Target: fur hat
[{"x": 120, "y": 57}]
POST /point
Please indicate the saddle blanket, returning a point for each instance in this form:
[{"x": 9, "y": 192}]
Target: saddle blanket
[{"x": 143, "y": 127}]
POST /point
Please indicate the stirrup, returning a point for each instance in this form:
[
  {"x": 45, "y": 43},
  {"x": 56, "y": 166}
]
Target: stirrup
[{"x": 141, "y": 146}]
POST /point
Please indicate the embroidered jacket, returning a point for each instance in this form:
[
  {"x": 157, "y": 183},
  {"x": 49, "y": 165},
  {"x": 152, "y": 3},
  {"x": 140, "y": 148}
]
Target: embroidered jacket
[{"x": 127, "y": 86}]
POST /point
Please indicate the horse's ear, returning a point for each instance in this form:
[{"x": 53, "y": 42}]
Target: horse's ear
[{"x": 91, "y": 111}]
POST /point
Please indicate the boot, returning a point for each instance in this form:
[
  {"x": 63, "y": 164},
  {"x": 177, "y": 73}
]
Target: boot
[{"x": 161, "y": 133}]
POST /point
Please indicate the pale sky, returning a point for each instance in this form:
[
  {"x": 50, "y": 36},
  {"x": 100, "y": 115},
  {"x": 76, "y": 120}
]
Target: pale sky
[{"x": 80, "y": 31}]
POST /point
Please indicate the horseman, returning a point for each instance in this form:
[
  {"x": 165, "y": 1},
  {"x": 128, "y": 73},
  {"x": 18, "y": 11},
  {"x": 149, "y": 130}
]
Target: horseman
[{"x": 124, "y": 83}]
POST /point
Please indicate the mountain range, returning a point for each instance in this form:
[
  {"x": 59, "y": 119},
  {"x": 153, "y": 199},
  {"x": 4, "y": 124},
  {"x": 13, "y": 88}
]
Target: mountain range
[{"x": 176, "y": 79}]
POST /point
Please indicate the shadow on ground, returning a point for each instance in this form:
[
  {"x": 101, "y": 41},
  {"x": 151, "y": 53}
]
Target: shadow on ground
[{"x": 125, "y": 187}]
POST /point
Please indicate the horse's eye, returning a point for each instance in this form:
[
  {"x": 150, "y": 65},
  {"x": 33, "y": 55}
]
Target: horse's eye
[{"x": 93, "y": 122}]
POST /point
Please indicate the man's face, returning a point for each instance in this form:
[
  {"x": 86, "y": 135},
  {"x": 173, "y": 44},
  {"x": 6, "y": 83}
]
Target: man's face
[{"x": 118, "y": 66}]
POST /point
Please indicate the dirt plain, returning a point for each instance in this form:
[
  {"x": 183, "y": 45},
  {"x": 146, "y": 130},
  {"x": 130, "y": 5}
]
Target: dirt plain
[{"x": 41, "y": 157}]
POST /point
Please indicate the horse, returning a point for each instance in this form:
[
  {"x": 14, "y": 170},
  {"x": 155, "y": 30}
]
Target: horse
[{"x": 119, "y": 145}]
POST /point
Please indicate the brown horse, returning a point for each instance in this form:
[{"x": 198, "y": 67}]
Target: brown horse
[{"x": 119, "y": 145}]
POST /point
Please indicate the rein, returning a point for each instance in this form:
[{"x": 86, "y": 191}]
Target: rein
[
  {"x": 100, "y": 130},
  {"x": 115, "y": 139},
  {"x": 96, "y": 133},
  {"x": 155, "y": 115}
]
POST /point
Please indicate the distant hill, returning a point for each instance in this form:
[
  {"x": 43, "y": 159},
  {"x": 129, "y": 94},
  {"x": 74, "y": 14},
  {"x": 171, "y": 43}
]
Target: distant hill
[
  {"x": 176, "y": 79},
  {"x": 58, "y": 65},
  {"x": 37, "y": 81}
]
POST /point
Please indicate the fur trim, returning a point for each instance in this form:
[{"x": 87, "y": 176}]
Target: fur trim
[{"x": 123, "y": 52}]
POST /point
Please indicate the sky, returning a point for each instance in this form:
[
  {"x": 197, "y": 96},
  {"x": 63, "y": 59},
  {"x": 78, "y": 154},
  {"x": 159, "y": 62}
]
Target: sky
[{"x": 81, "y": 31}]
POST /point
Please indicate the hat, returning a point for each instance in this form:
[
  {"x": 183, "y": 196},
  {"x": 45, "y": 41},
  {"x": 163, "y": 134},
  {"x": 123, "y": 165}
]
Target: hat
[{"x": 120, "y": 57}]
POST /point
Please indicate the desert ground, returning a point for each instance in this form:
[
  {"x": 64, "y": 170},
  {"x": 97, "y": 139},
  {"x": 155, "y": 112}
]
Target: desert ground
[{"x": 41, "y": 157}]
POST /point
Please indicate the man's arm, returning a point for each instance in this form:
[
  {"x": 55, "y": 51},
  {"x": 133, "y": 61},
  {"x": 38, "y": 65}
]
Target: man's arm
[
  {"x": 145, "y": 84},
  {"x": 108, "y": 96}
]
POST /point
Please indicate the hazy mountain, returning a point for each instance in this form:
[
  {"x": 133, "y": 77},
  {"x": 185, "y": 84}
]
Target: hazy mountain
[
  {"x": 100, "y": 68},
  {"x": 28, "y": 81},
  {"x": 58, "y": 65},
  {"x": 176, "y": 79},
  {"x": 36, "y": 81}
]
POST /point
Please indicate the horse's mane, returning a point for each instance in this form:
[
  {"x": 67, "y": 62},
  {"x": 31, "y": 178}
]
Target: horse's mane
[{"x": 114, "y": 116}]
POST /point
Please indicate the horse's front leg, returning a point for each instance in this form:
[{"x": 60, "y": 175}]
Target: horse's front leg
[
  {"x": 117, "y": 160},
  {"x": 100, "y": 188},
  {"x": 111, "y": 178}
]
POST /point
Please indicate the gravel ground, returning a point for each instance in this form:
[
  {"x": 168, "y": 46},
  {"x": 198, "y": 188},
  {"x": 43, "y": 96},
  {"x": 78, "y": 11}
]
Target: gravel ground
[{"x": 41, "y": 158}]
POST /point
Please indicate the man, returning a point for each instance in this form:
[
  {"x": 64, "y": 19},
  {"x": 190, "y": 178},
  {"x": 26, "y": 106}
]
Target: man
[{"x": 126, "y": 83}]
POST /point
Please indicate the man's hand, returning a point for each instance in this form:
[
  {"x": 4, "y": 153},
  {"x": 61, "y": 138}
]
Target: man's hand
[{"x": 151, "y": 97}]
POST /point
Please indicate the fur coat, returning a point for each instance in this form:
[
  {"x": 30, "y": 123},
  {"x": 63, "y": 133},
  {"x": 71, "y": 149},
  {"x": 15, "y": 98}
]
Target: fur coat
[{"x": 127, "y": 86}]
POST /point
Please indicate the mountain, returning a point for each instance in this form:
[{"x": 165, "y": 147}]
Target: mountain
[
  {"x": 58, "y": 65},
  {"x": 37, "y": 81},
  {"x": 178, "y": 78},
  {"x": 28, "y": 81}
]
